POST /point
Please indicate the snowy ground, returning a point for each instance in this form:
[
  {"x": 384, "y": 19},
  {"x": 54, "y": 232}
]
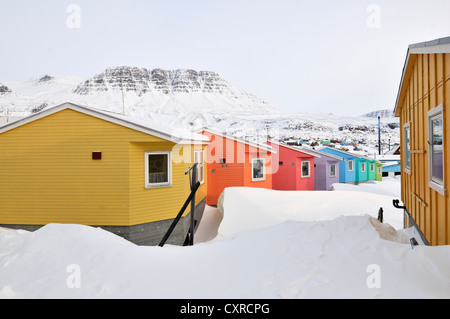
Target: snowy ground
[{"x": 268, "y": 244}]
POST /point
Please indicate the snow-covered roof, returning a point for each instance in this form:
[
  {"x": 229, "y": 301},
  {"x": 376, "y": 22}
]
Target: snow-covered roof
[
  {"x": 234, "y": 138},
  {"x": 178, "y": 135},
  {"x": 296, "y": 148}
]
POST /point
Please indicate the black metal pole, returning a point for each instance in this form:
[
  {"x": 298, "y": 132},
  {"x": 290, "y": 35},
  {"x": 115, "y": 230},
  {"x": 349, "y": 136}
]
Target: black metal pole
[
  {"x": 175, "y": 221},
  {"x": 194, "y": 182}
]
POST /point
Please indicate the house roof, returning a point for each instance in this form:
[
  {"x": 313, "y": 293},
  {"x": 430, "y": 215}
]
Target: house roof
[
  {"x": 338, "y": 158},
  {"x": 231, "y": 137},
  {"x": 348, "y": 154},
  {"x": 296, "y": 148},
  {"x": 441, "y": 45},
  {"x": 174, "y": 135}
]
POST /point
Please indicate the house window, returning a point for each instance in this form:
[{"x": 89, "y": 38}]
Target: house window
[
  {"x": 258, "y": 169},
  {"x": 372, "y": 167},
  {"x": 379, "y": 170},
  {"x": 305, "y": 169},
  {"x": 332, "y": 170},
  {"x": 198, "y": 158},
  {"x": 158, "y": 169},
  {"x": 436, "y": 149},
  {"x": 407, "y": 141},
  {"x": 363, "y": 167},
  {"x": 350, "y": 165}
]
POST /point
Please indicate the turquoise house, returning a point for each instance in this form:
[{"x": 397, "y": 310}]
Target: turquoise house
[{"x": 362, "y": 169}]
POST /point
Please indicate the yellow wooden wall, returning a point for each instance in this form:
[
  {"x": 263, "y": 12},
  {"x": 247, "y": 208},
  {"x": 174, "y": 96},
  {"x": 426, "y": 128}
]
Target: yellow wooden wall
[
  {"x": 47, "y": 174},
  {"x": 427, "y": 85},
  {"x": 165, "y": 202}
]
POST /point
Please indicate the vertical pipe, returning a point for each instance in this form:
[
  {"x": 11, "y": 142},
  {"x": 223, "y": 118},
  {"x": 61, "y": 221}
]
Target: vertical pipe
[{"x": 379, "y": 136}]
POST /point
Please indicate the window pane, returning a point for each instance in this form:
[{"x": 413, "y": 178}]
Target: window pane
[
  {"x": 437, "y": 169},
  {"x": 333, "y": 170},
  {"x": 350, "y": 165},
  {"x": 258, "y": 168},
  {"x": 407, "y": 147},
  {"x": 305, "y": 169},
  {"x": 158, "y": 169}
]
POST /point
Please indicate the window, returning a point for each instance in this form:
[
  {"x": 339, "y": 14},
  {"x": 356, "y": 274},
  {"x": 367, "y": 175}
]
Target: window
[
  {"x": 198, "y": 158},
  {"x": 363, "y": 167},
  {"x": 436, "y": 149},
  {"x": 379, "y": 170},
  {"x": 332, "y": 170},
  {"x": 372, "y": 167},
  {"x": 258, "y": 169},
  {"x": 158, "y": 169},
  {"x": 407, "y": 141},
  {"x": 305, "y": 169},
  {"x": 350, "y": 165}
]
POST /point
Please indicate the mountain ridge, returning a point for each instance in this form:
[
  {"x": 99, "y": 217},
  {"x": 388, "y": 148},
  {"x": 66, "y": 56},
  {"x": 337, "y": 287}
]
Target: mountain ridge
[{"x": 184, "y": 98}]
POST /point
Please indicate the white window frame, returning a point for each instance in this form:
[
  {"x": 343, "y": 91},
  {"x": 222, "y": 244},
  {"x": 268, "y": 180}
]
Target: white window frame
[
  {"x": 254, "y": 160},
  {"x": 435, "y": 183},
  {"x": 200, "y": 166},
  {"x": 309, "y": 169},
  {"x": 372, "y": 167},
  {"x": 348, "y": 165},
  {"x": 407, "y": 168},
  {"x": 333, "y": 175},
  {"x": 379, "y": 170},
  {"x": 169, "y": 168},
  {"x": 363, "y": 167}
]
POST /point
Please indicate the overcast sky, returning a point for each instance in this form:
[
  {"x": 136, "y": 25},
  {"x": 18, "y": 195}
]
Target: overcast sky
[{"x": 343, "y": 57}]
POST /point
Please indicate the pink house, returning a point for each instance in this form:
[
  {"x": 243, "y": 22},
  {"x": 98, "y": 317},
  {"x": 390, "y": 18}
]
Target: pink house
[{"x": 295, "y": 169}]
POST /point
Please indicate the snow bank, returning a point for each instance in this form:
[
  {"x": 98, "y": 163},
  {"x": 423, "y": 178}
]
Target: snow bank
[
  {"x": 271, "y": 245},
  {"x": 252, "y": 208}
]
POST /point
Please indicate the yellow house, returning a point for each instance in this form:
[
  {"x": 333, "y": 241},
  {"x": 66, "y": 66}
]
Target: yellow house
[
  {"x": 422, "y": 105},
  {"x": 77, "y": 165}
]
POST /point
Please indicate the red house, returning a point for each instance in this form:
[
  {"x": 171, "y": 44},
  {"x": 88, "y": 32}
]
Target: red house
[
  {"x": 235, "y": 162},
  {"x": 295, "y": 168}
]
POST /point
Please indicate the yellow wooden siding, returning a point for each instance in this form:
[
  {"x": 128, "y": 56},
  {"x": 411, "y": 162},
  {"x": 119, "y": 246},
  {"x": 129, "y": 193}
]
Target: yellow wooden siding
[
  {"x": 426, "y": 85},
  {"x": 47, "y": 174},
  {"x": 153, "y": 204}
]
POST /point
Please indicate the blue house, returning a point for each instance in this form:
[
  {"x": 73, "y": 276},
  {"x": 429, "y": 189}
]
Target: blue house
[{"x": 347, "y": 166}]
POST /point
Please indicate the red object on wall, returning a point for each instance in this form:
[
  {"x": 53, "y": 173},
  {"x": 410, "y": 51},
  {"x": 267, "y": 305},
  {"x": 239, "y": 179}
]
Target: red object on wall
[{"x": 232, "y": 162}]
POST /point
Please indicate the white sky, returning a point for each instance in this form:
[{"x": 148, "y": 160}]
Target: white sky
[{"x": 321, "y": 56}]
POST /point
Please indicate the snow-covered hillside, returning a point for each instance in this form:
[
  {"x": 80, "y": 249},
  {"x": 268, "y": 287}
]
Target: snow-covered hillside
[{"x": 189, "y": 99}]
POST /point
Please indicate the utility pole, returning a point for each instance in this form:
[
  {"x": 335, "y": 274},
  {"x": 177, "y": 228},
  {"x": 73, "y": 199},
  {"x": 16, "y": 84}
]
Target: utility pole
[{"x": 379, "y": 136}]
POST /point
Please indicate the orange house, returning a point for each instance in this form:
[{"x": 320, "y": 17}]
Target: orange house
[{"x": 235, "y": 162}]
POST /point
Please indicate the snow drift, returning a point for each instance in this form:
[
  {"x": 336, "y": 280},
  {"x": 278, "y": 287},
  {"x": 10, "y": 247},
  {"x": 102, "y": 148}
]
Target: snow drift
[{"x": 298, "y": 254}]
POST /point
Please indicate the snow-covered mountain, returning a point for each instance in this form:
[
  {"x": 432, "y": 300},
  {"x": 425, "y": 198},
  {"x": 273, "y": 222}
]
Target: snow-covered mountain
[
  {"x": 185, "y": 98},
  {"x": 381, "y": 113}
]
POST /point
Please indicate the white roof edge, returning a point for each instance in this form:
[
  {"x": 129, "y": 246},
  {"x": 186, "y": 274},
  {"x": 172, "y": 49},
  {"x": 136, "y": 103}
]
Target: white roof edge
[
  {"x": 296, "y": 148},
  {"x": 351, "y": 154},
  {"x": 231, "y": 137},
  {"x": 105, "y": 115}
]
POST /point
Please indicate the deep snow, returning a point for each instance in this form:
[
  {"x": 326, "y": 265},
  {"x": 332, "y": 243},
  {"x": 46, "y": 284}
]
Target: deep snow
[{"x": 269, "y": 245}]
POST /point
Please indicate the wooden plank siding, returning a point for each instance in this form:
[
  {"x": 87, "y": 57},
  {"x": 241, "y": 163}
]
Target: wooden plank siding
[
  {"x": 48, "y": 174},
  {"x": 426, "y": 85}
]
